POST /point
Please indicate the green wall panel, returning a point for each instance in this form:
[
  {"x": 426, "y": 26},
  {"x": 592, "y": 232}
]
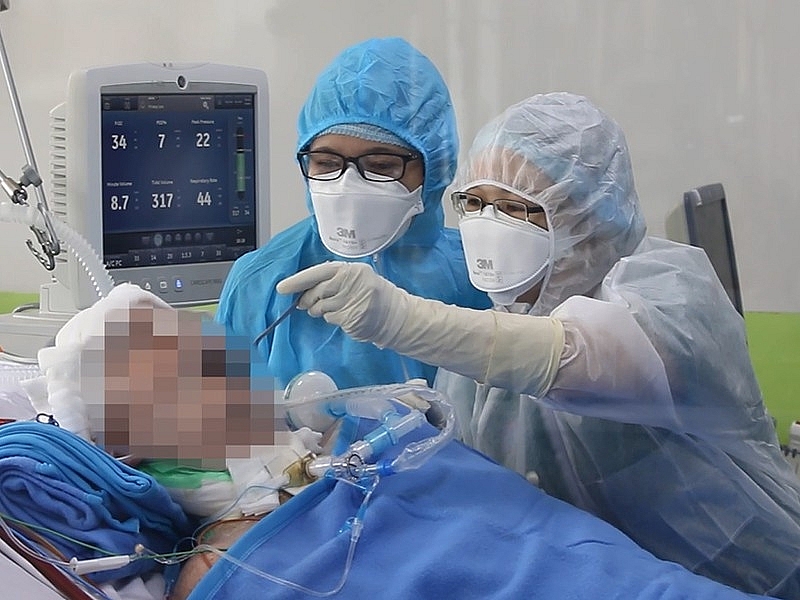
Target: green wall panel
[{"x": 774, "y": 342}]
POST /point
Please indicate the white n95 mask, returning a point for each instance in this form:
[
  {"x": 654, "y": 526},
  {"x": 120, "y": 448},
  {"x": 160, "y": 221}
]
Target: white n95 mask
[
  {"x": 504, "y": 259},
  {"x": 357, "y": 218}
]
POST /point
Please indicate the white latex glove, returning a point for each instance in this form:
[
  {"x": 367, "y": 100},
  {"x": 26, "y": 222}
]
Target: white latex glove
[
  {"x": 517, "y": 352},
  {"x": 350, "y": 295}
]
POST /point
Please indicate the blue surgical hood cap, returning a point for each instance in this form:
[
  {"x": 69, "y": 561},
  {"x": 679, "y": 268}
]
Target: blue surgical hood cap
[
  {"x": 364, "y": 131},
  {"x": 388, "y": 83}
]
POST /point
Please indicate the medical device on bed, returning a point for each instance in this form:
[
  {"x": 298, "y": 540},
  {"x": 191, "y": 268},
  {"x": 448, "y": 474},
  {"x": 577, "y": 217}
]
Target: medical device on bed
[
  {"x": 391, "y": 413},
  {"x": 397, "y": 409},
  {"x": 164, "y": 170}
]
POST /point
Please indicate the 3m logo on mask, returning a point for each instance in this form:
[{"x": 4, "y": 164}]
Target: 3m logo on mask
[
  {"x": 346, "y": 233},
  {"x": 484, "y": 263}
]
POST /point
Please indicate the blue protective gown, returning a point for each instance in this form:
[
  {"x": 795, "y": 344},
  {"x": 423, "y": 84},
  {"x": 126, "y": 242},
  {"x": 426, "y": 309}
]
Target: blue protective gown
[{"x": 383, "y": 82}]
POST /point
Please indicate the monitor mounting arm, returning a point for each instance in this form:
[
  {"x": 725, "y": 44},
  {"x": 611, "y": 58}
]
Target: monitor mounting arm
[{"x": 46, "y": 237}]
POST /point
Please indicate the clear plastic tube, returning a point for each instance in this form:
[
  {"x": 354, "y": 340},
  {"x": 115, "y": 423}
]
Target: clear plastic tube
[
  {"x": 22, "y": 547},
  {"x": 393, "y": 427},
  {"x": 351, "y": 464},
  {"x": 417, "y": 453},
  {"x": 81, "y": 249},
  {"x": 99, "y": 277},
  {"x": 10, "y": 376},
  {"x": 356, "y": 525},
  {"x": 368, "y": 408},
  {"x": 320, "y": 410}
]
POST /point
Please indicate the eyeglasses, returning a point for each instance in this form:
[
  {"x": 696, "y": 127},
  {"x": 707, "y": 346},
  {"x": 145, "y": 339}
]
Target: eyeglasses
[
  {"x": 469, "y": 204},
  {"x": 375, "y": 166}
]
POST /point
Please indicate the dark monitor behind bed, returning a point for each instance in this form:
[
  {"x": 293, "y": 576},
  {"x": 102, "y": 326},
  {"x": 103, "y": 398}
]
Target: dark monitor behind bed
[{"x": 708, "y": 227}]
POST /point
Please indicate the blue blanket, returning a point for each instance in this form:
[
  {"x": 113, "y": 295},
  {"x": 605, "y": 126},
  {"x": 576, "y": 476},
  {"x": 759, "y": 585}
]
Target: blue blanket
[
  {"x": 461, "y": 527},
  {"x": 54, "y": 479}
]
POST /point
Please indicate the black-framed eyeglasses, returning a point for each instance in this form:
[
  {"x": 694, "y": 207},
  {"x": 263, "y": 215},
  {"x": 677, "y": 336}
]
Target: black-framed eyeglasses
[
  {"x": 374, "y": 166},
  {"x": 467, "y": 204}
]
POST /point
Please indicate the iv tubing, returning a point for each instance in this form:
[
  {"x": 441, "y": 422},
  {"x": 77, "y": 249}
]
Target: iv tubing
[
  {"x": 285, "y": 582},
  {"x": 32, "y": 555},
  {"x": 356, "y": 526},
  {"x": 84, "y": 253}
]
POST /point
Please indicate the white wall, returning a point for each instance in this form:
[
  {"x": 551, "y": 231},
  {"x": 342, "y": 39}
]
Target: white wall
[{"x": 705, "y": 90}]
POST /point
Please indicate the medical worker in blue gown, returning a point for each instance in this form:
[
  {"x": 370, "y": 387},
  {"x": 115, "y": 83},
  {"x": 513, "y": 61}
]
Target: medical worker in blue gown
[
  {"x": 614, "y": 370},
  {"x": 377, "y": 145}
]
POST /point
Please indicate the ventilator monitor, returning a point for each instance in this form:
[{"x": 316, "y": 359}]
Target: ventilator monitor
[{"x": 163, "y": 168}]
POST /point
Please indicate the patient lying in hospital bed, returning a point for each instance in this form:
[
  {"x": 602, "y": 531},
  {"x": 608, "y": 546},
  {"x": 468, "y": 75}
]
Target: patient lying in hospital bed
[
  {"x": 437, "y": 521},
  {"x": 133, "y": 378}
]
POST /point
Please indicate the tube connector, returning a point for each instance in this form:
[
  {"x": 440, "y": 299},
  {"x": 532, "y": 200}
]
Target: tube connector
[
  {"x": 297, "y": 472},
  {"x": 95, "y": 565},
  {"x": 394, "y": 427},
  {"x": 13, "y": 189}
]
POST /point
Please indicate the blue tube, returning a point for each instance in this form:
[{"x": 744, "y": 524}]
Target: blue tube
[{"x": 394, "y": 427}]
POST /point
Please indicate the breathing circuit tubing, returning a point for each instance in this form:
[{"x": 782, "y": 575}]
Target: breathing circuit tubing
[
  {"x": 375, "y": 402},
  {"x": 19, "y": 373},
  {"x": 81, "y": 249},
  {"x": 351, "y": 466}
]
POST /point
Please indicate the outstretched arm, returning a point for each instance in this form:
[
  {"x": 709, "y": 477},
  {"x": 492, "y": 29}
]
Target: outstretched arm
[{"x": 517, "y": 352}]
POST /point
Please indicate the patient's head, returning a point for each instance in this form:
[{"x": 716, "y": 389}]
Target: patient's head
[
  {"x": 175, "y": 388},
  {"x": 168, "y": 384}
]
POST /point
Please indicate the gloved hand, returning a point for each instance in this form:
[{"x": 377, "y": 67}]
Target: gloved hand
[
  {"x": 351, "y": 295},
  {"x": 517, "y": 352}
]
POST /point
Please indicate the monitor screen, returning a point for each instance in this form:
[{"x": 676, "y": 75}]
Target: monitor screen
[
  {"x": 708, "y": 226},
  {"x": 178, "y": 175},
  {"x": 166, "y": 174}
]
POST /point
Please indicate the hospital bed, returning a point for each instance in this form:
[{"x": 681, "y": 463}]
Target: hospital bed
[
  {"x": 449, "y": 524},
  {"x": 27, "y": 583}
]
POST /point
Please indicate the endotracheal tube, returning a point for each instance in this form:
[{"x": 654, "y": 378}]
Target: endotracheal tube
[{"x": 352, "y": 464}]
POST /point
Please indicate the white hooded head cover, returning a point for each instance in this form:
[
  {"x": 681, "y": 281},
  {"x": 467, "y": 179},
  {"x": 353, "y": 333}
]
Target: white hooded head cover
[{"x": 574, "y": 160}]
